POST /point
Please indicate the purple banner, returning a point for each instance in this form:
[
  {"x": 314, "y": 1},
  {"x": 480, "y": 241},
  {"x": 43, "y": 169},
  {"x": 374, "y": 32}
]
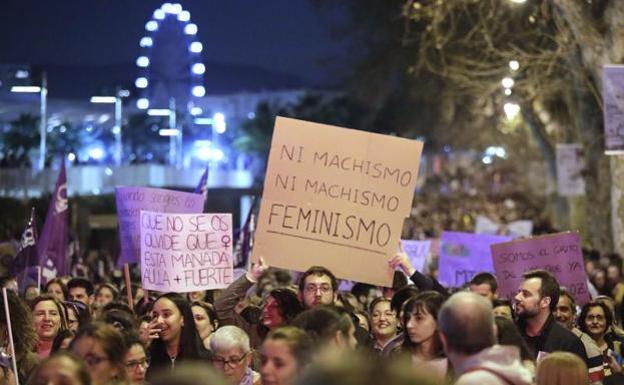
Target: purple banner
[
  {"x": 613, "y": 99},
  {"x": 417, "y": 251},
  {"x": 130, "y": 202},
  {"x": 560, "y": 254},
  {"x": 52, "y": 244},
  {"x": 462, "y": 255}
]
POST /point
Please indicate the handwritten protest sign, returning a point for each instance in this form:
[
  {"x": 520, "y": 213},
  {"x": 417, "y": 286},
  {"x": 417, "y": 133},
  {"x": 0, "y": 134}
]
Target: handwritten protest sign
[
  {"x": 130, "y": 202},
  {"x": 613, "y": 98},
  {"x": 335, "y": 197},
  {"x": 186, "y": 252},
  {"x": 560, "y": 254},
  {"x": 462, "y": 255},
  {"x": 570, "y": 167},
  {"x": 515, "y": 229},
  {"x": 417, "y": 251}
]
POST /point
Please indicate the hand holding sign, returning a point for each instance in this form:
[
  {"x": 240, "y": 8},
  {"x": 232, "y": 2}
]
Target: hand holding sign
[
  {"x": 401, "y": 261},
  {"x": 257, "y": 269}
]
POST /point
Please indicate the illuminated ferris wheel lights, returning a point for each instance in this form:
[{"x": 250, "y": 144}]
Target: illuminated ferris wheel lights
[
  {"x": 141, "y": 82},
  {"x": 196, "y": 47},
  {"x": 143, "y": 103},
  {"x": 176, "y": 9},
  {"x": 198, "y": 68},
  {"x": 159, "y": 14},
  {"x": 167, "y": 7},
  {"x": 146, "y": 41},
  {"x": 196, "y": 111},
  {"x": 198, "y": 91},
  {"x": 190, "y": 29},
  {"x": 184, "y": 16},
  {"x": 151, "y": 25},
  {"x": 142, "y": 61}
]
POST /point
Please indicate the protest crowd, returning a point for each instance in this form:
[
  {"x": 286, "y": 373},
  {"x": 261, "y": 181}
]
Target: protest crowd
[{"x": 441, "y": 317}]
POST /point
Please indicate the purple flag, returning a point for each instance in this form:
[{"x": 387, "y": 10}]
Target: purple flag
[
  {"x": 52, "y": 245},
  {"x": 202, "y": 187},
  {"x": 27, "y": 253}
]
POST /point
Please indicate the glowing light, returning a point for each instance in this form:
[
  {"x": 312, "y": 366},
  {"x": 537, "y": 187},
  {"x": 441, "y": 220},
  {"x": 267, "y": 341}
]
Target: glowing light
[
  {"x": 217, "y": 154},
  {"x": 496, "y": 151},
  {"x": 514, "y": 65},
  {"x": 251, "y": 115},
  {"x": 159, "y": 14},
  {"x": 169, "y": 132},
  {"x": 184, "y": 16},
  {"x": 108, "y": 171},
  {"x": 518, "y": 1},
  {"x": 103, "y": 99},
  {"x": 158, "y": 112},
  {"x": 511, "y": 110},
  {"x": 71, "y": 157},
  {"x": 508, "y": 91},
  {"x": 176, "y": 9},
  {"x": 103, "y": 118},
  {"x": 167, "y": 7},
  {"x": 219, "y": 122},
  {"x": 196, "y": 111},
  {"x": 190, "y": 29},
  {"x": 21, "y": 74},
  {"x": 198, "y": 91},
  {"x": 116, "y": 130},
  {"x": 203, "y": 153},
  {"x": 143, "y": 103},
  {"x": 141, "y": 82},
  {"x": 123, "y": 93},
  {"x": 487, "y": 159},
  {"x": 198, "y": 68},
  {"x": 25, "y": 89},
  {"x": 96, "y": 153},
  {"x": 146, "y": 41},
  {"x": 203, "y": 121},
  {"x": 142, "y": 61},
  {"x": 196, "y": 47},
  {"x": 151, "y": 25},
  {"x": 63, "y": 129},
  {"x": 507, "y": 82}
]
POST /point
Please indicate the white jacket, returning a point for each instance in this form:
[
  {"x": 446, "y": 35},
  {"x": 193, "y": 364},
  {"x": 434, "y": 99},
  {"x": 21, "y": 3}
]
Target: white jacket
[{"x": 496, "y": 365}]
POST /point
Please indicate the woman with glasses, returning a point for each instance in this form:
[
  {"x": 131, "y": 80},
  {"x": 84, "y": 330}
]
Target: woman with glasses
[
  {"x": 104, "y": 349},
  {"x": 232, "y": 356},
  {"x": 49, "y": 318},
  {"x": 173, "y": 333},
  {"x": 137, "y": 361},
  {"x": 595, "y": 320},
  {"x": 77, "y": 314},
  {"x": 384, "y": 322}
]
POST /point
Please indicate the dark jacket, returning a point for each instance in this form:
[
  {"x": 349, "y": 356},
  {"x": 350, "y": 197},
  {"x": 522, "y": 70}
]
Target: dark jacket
[
  {"x": 424, "y": 283},
  {"x": 553, "y": 337}
]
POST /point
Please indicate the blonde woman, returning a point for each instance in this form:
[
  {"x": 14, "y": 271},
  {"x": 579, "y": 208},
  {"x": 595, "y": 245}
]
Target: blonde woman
[{"x": 561, "y": 368}]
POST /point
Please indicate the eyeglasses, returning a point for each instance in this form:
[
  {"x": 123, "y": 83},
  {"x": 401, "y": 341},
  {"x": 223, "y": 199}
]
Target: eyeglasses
[
  {"x": 325, "y": 289},
  {"x": 142, "y": 363},
  {"x": 233, "y": 362},
  {"x": 93, "y": 360}
]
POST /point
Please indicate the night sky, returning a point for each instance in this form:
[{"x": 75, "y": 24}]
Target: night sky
[{"x": 291, "y": 36}]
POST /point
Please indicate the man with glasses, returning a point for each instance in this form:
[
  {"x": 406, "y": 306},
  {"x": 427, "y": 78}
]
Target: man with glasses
[
  {"x": 317, "y": 286},
  {"x": 137, "y": 361}
]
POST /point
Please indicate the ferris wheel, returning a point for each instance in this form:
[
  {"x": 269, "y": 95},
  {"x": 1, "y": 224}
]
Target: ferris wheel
[{"x": 170, "y": 65}]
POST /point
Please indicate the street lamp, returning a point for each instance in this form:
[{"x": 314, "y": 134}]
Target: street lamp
[
  {"x": 173, "y": 132},
  {"x": 118, "y": 154},
  {"x": 43, "y": 93}
]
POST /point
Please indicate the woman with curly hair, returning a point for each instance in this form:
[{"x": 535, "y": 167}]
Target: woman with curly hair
[{"x": 24, "y": 336}]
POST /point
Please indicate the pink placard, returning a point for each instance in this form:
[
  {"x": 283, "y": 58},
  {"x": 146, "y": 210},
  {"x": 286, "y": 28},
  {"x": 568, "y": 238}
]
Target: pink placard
[
  {"x": 130, "y": 202},
  {"x": 560, "y": 254}
]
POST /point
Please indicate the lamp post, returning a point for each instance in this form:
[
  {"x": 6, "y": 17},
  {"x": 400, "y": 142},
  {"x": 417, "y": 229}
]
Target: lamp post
[
  {"x": 43, "y": 93},
  {"x": 118, "y": 153}
]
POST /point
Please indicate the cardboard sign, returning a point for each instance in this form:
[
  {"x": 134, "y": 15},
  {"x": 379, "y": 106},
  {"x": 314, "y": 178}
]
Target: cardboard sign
[
  {"x": 418, "y": 251},
  {"x": 515, "y": 229},
  {"x": 130, "y": 202},
  {"x": 570, "y": 167},
  {"x": 613, "y": 99},
  {"x": 560, "y": 254},
  {"x": 462, "y": 255},
  {"x": 335, "y": 197},
  {"x": 186, "y": 252}
]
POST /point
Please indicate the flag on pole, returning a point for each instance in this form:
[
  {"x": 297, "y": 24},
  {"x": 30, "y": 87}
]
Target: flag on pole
[
  {"x": 27, "y": 252},
  {"x": 202, "y": 187},
  {"x": 52, "y": 245}
]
